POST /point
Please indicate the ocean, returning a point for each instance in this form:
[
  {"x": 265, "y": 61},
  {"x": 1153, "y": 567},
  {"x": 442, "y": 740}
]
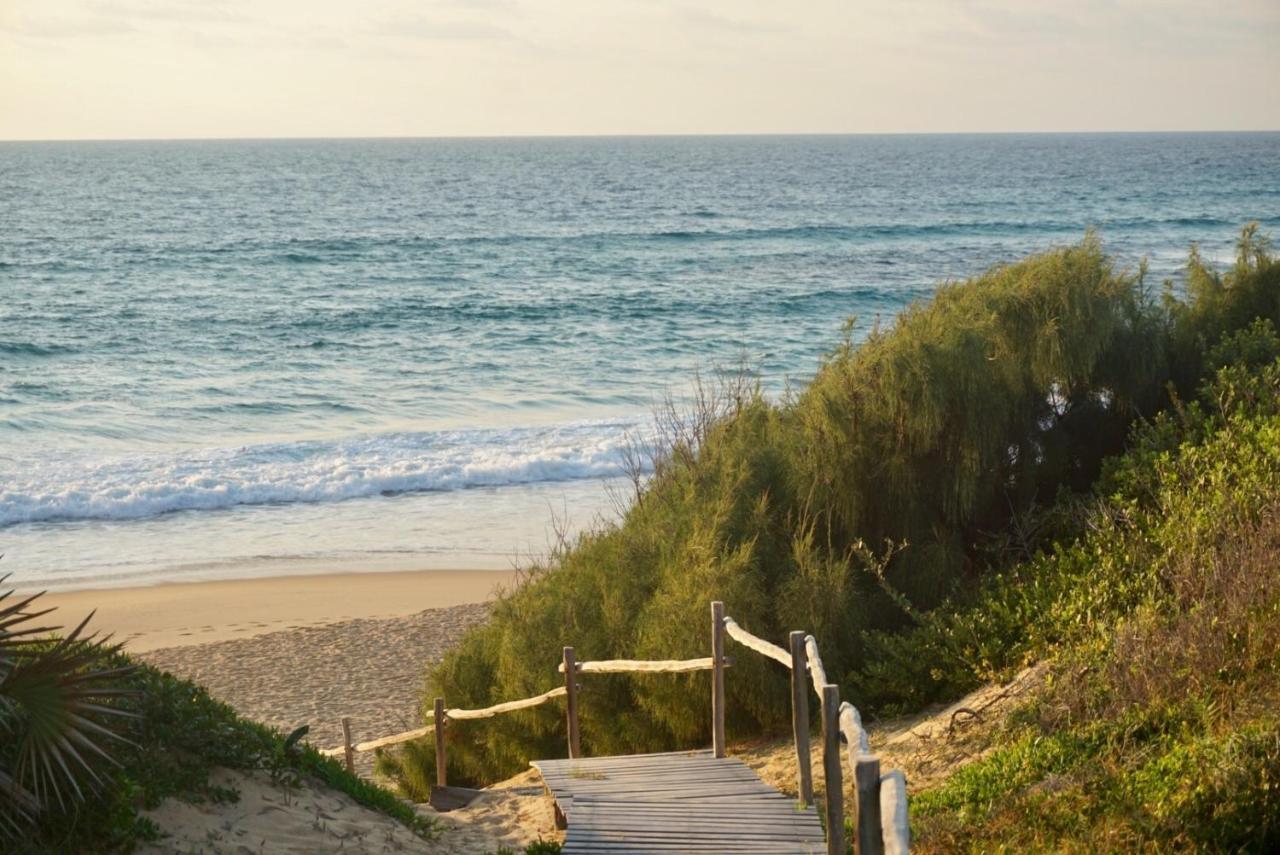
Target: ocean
[{"x": 228, "y": 358}]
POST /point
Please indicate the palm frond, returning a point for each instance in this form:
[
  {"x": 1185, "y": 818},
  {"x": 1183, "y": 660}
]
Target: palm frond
[{"x": 57, "y": 696}]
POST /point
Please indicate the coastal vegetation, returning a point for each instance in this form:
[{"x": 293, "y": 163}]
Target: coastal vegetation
[
  {"x": 90, "y": 740},
  {"x": 1053, "y": 461}
]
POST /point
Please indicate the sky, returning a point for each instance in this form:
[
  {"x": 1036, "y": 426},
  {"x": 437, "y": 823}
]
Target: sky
[{"x": 128, "y": 69}]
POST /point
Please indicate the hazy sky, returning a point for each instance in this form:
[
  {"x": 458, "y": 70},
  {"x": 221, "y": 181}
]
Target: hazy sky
[{"x": 255, "y": 68}]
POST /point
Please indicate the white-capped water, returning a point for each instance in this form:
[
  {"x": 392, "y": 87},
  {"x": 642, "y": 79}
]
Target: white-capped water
[{"x": 258, "y": 356}]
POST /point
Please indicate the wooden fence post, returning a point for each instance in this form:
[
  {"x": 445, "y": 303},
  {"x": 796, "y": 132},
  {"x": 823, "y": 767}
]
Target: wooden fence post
[
  {"x": 831, "y": 764},
  {"x": 439, "y": 718},
  {"x": 866, "y": 782},
  {"x": 717, "y": 679},
  {"x": 346, "y": 745},
  {"x": 800, "y": 716},
  {"x": 571, "y": 702}
]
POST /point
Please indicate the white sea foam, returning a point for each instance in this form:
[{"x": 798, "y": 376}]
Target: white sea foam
[{"x": 78, "y": 486}]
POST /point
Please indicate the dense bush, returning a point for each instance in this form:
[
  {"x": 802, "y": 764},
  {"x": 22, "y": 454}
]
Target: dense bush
[
  {"x": 917, "y": 466},
  {"x": 1158, "y": 730}
]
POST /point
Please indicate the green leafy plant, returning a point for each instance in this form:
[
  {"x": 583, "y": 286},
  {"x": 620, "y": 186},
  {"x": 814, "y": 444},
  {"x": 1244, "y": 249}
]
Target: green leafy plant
[{"x": 59, "y": 697}]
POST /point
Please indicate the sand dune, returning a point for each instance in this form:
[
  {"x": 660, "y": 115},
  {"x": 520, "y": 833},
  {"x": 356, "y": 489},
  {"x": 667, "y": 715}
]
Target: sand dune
[{"x": 311, "y": 819}]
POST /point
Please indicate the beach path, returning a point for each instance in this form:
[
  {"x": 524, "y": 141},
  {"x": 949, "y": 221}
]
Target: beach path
[{"x": 685, "y": 801}]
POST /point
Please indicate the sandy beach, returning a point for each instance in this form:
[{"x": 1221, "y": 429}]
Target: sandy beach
[
  {"x": 300, "y": 650},
  {"x": 190, "y": 613},
  {"x": 309, "y": 650}
]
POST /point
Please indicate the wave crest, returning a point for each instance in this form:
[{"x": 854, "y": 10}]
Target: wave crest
[{"x": 87, "y": 487}]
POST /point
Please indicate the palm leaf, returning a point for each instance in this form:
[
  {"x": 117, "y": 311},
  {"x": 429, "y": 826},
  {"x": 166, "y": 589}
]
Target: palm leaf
[{"x": 56, "y": 696}]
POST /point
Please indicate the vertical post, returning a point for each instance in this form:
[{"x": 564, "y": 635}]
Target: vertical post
[
  {"x": 440, "y": 718},
  {"x": 831, "y": 764},
  {"x": 571, "y": 702},
  {"x": 800, "y": 716},
  {"x": 866, "y": 781},
  {"x": 717, "y": 679},
  {"x": 346, "y": 745}
]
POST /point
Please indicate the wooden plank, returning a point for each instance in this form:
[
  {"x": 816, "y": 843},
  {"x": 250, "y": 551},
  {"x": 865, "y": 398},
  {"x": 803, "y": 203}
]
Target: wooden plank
[
  {"x": 774, "y": 847},
  {"x": 771, "y": 846},
  {"x": 779, "y": 813},
  {"x": 680, "y": 791},
  {"x": 780, "y": 810},
  {"x": 596, "y": 843},
  {"x": 624, "y": 768},
  {"x": 723, "y": 833},
  {"x": 631, "y": 782},
  {"x": 627, "y": 760},
  {"x": 615, "y": 816},
  {"x": 676, "y": 802},
  {"x": 634, "y": 785},
  {"x": 594, "y": 809},
  {"x": 692, "y": 826},
  {"x": 717, "y": 835},
  {"x": 734, "y": 826},
  {"x": 586, "y": 774},
  {"x": 451, "y": 798}
]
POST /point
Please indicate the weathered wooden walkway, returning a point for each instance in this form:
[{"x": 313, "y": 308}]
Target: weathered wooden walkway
[{"x": 686, "y": 801}]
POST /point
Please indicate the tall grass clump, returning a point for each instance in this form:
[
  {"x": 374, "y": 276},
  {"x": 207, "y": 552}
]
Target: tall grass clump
[{"x": 918, "y": 465}]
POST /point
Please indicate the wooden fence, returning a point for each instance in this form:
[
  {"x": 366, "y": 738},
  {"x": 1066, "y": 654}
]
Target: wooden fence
[{"x": 880, "y": 800}]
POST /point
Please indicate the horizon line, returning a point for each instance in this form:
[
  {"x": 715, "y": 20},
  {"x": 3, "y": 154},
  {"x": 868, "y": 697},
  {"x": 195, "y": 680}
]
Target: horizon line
[{"x": 703, "y": 134}]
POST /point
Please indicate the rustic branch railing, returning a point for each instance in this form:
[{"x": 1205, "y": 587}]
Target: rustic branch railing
[
  {"x": 881, "y": 826},
  {"x": 455, "y": 714},
  {"x": 641, "y": 666},
  {"x": 759, "y": 645},
  {"x": 880, "y": 800}
]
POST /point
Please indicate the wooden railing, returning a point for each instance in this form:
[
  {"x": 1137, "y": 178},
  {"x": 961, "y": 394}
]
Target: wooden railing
[{"x": 880, "y": 800}]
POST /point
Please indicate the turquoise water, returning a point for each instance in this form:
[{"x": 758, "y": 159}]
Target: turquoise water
[{"x": 217, "y": 356}]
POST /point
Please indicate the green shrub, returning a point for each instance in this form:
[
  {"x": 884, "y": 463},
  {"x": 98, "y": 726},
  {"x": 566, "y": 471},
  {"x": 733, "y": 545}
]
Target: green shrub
[{"x": 919, "y": 467}]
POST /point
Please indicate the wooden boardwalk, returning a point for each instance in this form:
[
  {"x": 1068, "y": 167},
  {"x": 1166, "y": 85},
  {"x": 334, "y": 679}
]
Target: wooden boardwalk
[{"x": 685, "y": 801}]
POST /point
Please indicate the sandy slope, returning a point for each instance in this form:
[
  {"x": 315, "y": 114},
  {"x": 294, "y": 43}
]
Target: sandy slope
[
  {"x": 369, "y": 670},
  {"x": 268, "y": 818},
  {"x": 928, "y": 746}
]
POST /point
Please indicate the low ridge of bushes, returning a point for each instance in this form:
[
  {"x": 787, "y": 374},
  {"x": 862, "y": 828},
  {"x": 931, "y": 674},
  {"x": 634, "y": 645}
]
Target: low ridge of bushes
[{"x": 943, "y": 458}]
